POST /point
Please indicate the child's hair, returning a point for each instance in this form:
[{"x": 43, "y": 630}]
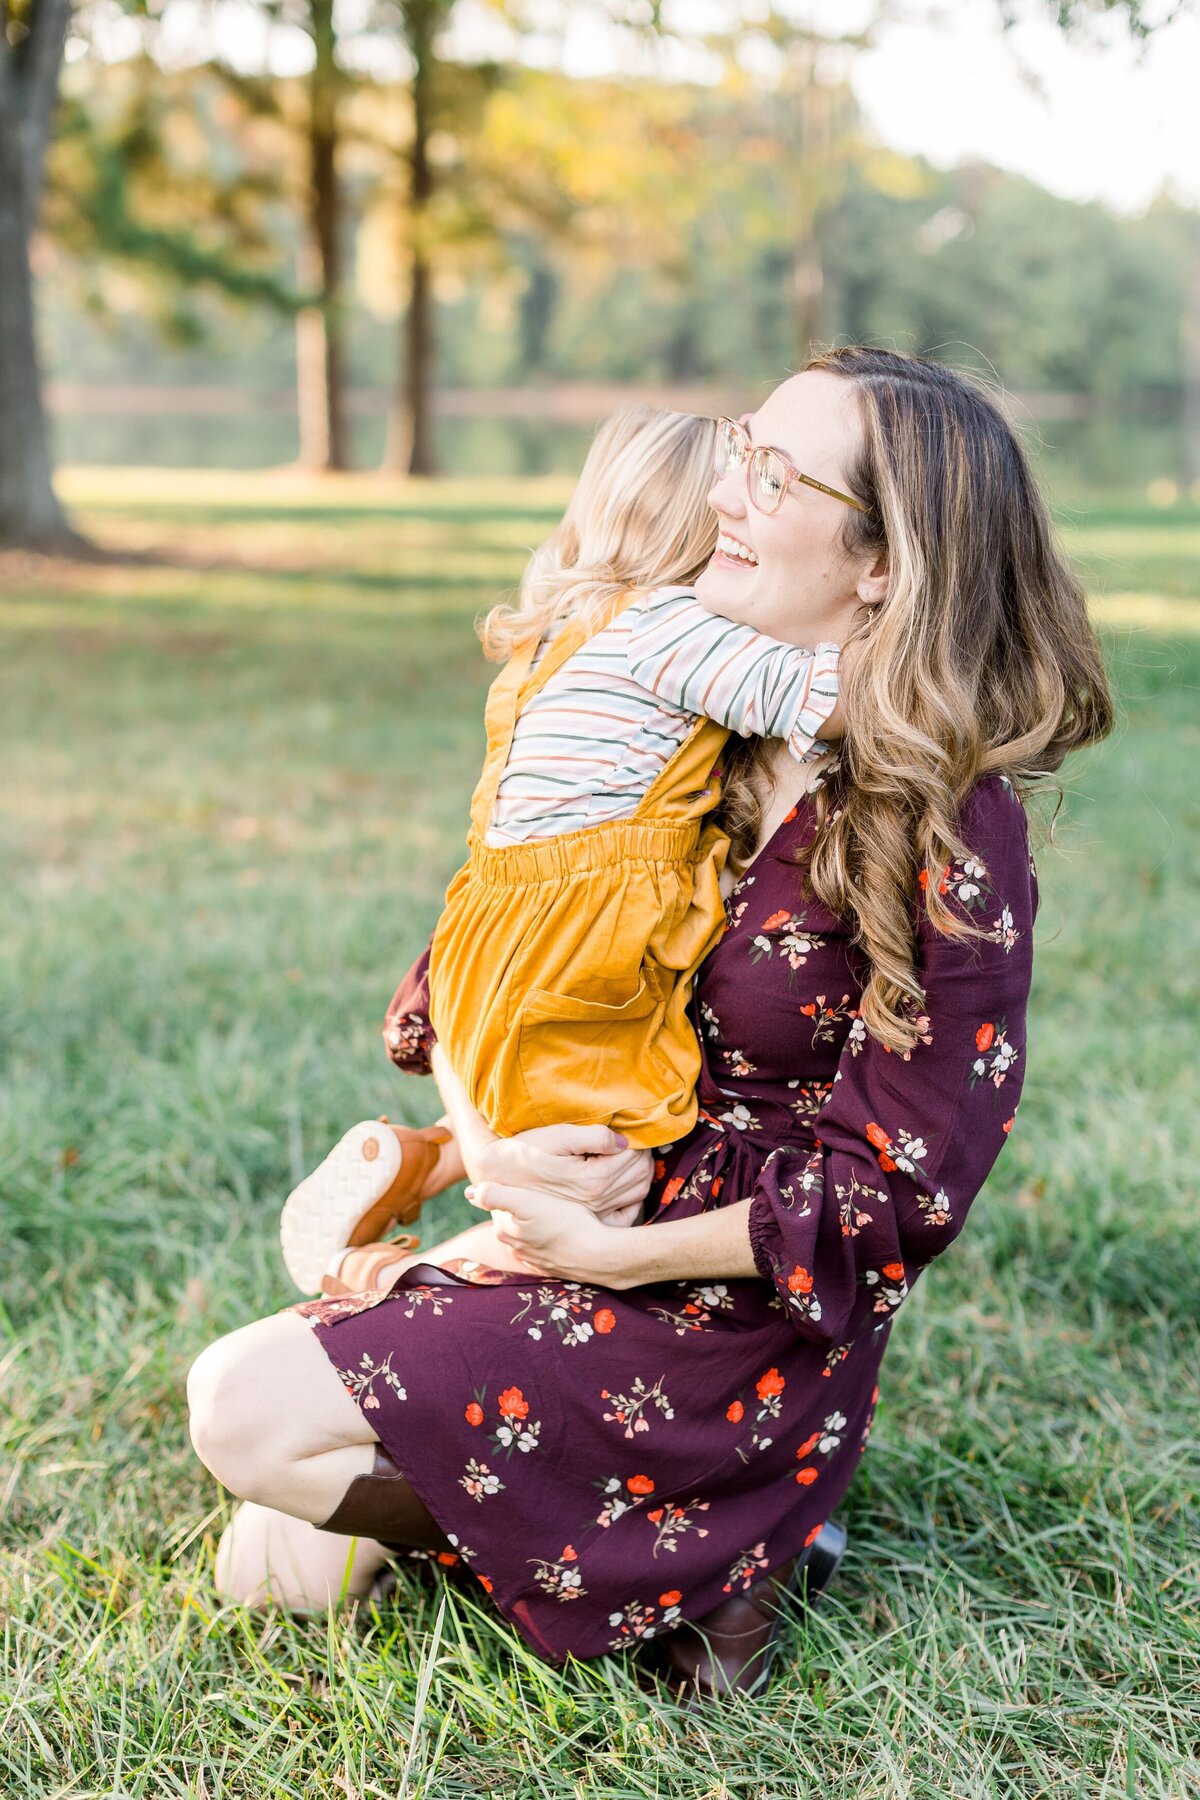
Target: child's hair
[{"x": 639, "y": 518}]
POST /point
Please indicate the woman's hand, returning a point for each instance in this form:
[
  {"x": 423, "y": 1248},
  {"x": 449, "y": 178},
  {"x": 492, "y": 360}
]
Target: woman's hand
[
  {"x": 553, "y": 1236},
  {"x": 587, "y": 1164}
]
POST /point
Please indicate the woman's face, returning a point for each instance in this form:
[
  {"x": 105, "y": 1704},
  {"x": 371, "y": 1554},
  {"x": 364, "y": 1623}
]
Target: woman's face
[{"x": 799, "y": 584}]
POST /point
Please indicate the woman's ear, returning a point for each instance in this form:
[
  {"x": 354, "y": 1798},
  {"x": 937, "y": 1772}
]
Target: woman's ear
[{"x": 872, "y": 585}]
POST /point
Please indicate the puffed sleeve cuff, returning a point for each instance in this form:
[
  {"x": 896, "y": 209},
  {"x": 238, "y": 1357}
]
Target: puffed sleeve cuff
[
  {"x": 408, "y": 1035},
  {"x": 762, "y": 1231},
  {"x": 822, "y": 697}
]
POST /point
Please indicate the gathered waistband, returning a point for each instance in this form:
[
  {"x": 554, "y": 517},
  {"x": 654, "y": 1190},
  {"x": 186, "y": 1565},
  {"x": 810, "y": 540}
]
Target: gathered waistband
[{"x": 593, "y": 847}]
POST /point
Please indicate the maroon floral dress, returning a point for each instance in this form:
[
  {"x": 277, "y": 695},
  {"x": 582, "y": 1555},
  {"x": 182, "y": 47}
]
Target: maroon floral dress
[{"x": 610, "y": 1463}]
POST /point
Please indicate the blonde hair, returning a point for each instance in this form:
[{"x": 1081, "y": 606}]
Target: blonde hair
[
  {"x": 639, "y": 518},
  {"x": 980, "y": 660}
]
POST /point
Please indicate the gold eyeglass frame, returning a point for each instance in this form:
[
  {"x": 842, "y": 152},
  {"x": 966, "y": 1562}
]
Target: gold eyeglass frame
[{"x": 754, "y": 452}]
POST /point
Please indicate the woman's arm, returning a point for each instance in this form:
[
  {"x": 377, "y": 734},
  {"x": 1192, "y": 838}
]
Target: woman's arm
[
  {"x": 559, "y": 1237},
  {"x": 904, "y": 1144}
]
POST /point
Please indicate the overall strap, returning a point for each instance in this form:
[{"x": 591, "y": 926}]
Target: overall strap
[{"x": 517, "y": 685}]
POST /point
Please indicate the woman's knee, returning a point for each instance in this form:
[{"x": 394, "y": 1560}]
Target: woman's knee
[
  {"x": 265, "y": 1396},
  {"x": 216, "y": 1385}
]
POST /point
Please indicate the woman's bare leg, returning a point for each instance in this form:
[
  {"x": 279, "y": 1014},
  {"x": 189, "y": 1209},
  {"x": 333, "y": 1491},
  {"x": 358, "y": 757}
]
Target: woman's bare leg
[
  {"x": 272, "y": 1421},
  {"x": 265, "y": 1555}
]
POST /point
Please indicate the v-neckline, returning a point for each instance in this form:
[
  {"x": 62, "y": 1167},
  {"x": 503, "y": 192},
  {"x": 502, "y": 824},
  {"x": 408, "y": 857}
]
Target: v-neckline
[{"x": 766, "y": 849}]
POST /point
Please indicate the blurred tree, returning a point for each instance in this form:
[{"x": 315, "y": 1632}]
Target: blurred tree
[
  {"x": 31, "y": 49},
  {"x": 320, "y": 350},
  {"x": 410, "y": 442}
]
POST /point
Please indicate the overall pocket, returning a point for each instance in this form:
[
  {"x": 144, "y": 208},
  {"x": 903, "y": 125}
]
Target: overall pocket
[{"x": 583, "y": 1058}]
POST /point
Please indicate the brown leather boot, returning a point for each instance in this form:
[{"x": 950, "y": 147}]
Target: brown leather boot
[
  {"x": 375, "y": 1177},
  {"x": 385, "y": 1506},
  {"x": 734, "y": 1646}
]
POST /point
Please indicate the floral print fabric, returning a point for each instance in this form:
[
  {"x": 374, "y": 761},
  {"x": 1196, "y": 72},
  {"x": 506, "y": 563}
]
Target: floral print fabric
[{"x": 609, "y": 1463}]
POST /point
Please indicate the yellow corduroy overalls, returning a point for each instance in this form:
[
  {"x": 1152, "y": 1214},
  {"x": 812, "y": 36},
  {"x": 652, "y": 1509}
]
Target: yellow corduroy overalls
[{"x": 560, "y": 970}]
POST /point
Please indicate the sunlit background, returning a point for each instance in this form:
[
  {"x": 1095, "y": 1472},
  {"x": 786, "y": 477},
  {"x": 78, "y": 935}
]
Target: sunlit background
[{"x": 682, "y": 212}]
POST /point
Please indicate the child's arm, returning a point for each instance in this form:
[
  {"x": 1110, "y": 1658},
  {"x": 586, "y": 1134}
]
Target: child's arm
[{"x": 731, "y": 673}]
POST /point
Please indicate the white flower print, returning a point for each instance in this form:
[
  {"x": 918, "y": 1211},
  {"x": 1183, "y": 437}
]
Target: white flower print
[
  {"x": 565, "y": 1307},
  {"x": 745, "y": 1570},
  {"x": 909, "y": 1152},
  {"x": 741, "y": 1118},
  {"x": 559, "y": 1576},
  {"x": 936, "y": 1209},
  {"x": 831, "y": 1435},
  {"x": 629, "y": 1409},
  {"x": 1003, "y": 931},
  {"x": 996, "y": 1055},
  {"x": 479, "y": 1480},
  {"x": 360, "y": 1382}
]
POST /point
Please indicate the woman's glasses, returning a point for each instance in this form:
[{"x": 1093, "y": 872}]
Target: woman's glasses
[{"x": 769, "y": 474}]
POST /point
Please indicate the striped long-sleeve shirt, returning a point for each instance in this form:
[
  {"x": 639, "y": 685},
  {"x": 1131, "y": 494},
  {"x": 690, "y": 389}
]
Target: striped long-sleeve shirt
[{"x": 590, "y": 743}]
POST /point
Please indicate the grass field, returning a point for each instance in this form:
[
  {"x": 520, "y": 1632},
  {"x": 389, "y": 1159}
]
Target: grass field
[{"x": 236, "y": 775}]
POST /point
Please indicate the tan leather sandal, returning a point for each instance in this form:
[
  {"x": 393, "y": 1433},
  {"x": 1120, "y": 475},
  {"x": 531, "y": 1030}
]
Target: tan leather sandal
[
  {"x": 362, "y": 1266},
  {"x": 373, "y": 1179}
]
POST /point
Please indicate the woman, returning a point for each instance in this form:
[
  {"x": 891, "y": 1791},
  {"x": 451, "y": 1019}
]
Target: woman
[{"x": 655, "y": 1432}]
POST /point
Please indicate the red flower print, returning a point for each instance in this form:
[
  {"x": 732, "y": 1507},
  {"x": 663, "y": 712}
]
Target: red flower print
[
  {"x": 984, "y": 1036},
  {"x": 878, "y": 1136},
  {"x": 923, "y": 878},
  {"x": 770, "y": 1383},
  {"x": 894, "y": 1271},
  {"x": 604, "y": 1320},
  {"x": 640, "y": 1484},
  {"x": 485, "y": 1584},
  {"x": 875, "y": 1394},
  {"x": 806, "y": 1477},
  {"x": 807, "y": 1445},
  {"x": 672, "y": 1597},
  {"x": 808, "y": 1010},
  {"x": 800, "y": 1281},
  {"x": 735, "y": 1412},
  {"x": 474, "y": 1413},
  {"x": 447, "y": 1557},
  {"x": 570, "y": 1554},
  {"x": 1008, "y": 1123},
  {"x": 718, "y": 1184},
  {"x": 788, "y": 817},
  {"x": 660, "y": 1169},
  {"x": 669, "y": 1192},
  {"x": 776, "y": 920},
  {"x": 513, "y": 1404},
  {"x": 655, "y": 1516},
  {"x": 813, "y": 1534}
]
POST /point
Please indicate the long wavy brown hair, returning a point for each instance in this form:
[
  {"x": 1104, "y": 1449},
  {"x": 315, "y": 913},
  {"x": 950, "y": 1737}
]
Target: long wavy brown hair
[{"x": 980, "y": 660}]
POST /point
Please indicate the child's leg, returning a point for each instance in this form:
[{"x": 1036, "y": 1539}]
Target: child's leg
[{"x": 378, "y": 1265}]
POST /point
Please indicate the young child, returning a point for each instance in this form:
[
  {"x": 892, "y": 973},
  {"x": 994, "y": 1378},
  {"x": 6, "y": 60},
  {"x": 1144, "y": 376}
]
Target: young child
[{"x": 561, "y": 968}]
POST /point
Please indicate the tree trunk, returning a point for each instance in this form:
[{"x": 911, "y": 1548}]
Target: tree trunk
[
  {"x": 1189, "y": 332},
  {"x": 30, "y": 514},
  {"x": 410, "y": 442},
  {"x": 320, "y": 359}
]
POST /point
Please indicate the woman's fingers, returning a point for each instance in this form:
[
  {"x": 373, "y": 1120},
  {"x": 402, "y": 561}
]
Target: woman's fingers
[{"x": 574, "y": 1140}]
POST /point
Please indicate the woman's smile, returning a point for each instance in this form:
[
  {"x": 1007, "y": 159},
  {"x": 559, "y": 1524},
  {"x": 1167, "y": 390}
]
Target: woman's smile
[{"x": 733, "y": 553}]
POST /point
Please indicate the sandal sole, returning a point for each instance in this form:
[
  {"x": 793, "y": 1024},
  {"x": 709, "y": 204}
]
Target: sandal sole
[{"x": 325, "y": 1212}]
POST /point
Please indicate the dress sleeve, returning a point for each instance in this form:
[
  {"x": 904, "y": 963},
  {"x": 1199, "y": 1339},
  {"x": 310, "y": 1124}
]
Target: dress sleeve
[
  {"x": 904, "y": 1143},
  {"x": 756, "y": 685},
  {"x": 407, "y": 1033}
]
